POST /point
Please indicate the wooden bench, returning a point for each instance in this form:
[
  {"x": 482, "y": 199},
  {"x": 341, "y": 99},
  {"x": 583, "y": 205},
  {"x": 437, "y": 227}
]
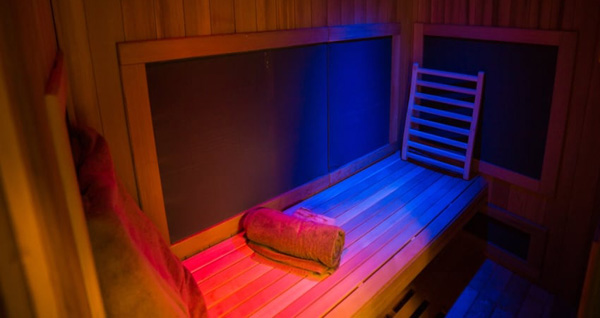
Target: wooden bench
[{"x": 397, "y": 217}]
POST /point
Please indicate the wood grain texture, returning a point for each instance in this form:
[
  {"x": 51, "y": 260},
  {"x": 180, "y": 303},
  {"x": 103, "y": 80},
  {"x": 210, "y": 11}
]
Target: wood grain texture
[
  {"x": 139, "y": 21},
  {"x": 170, "y": 21},
  {"x": 266, "y": 15},
  {"x": 105, "y": 29},
  {"x": 56, "y": 99},
  {"x": 135, "y": 87},
  {"x": 197, "y": 17},
  {"x": 73, "y": 39},
  {"x": 303, "y": 13},
  {"x": 222, "y": 17},
  {"x": 285, "y": 14},
  {"x": 334, "y": 12},
  {"x": 245, "y": 16},
  {"x": 318, "y": 13},
  {"x": 347, "y": 12}
]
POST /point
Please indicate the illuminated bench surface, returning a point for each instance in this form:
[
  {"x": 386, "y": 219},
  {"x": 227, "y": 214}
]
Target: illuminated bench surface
[{"x": 397, "y": 217}]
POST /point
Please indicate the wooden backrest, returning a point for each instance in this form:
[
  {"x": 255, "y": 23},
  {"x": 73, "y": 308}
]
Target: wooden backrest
[{"x": 441, "y": 119}]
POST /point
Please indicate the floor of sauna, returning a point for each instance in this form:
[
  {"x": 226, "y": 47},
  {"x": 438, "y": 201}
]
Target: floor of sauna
[{"x": 461, "y": 282}]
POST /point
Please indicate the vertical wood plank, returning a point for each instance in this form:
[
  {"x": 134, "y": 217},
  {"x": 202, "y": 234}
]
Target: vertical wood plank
[
  {"x": 334, "y": 12},
  {"x": 135, "y": 87},
  {"x": 520, "y": 13},
  {"x": 245, "y": 16},
  {"x": 386, "y": 11},
  {"x": 447, "y": 11},
  {"x": 568, "y": 14},
  {"x": 475, "y": 12},
  {"x": 488, "y": 13},
  {"x": 266, "y": 15},
  {"x": 139, "y": 22},
  {"x": 318, "y": 13},
  {"x": 71, "y": 31},
  {"x": 360, "y": 14},
  {"x": 170, "y": 21},
  {"x": 424, "y": 15},
  {"x": 459, "y": 12},
  {"x": 303, "y": 12},
  {"x": 534, "y": 14},
  {"x": 285, "y": 14},
  {"x": 437, "y": 11},
  {"x": 347, "y": 12},
  {"x": 504, "y": 13},
  {"x": 222, "y": 16},
  {"x": 105, "y": 28},
  {"x": 587, "y": 174},
  {"x": 197, "y": 17},
  {"x": 549, "y": 14},
  {"x": 562, "y": 224}
]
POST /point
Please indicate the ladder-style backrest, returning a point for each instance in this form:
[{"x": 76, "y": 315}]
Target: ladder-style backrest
[{"x": 441, "y": 119}]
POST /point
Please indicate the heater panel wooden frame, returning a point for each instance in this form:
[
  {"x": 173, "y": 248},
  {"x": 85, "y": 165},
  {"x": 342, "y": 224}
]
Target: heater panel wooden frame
[
  {"x": 566, "y": 43},
  {"x": 134, "y": 55}
]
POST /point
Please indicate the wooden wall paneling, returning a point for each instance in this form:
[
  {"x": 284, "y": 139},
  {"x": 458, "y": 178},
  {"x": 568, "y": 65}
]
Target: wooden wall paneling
[
  {"x": 460, "y": 12},
  {"x": 504, "y": 12},
  {"x": 266, "y": 15},
  {"x": 245, "y": 16},
  {"x": 437, "y": 11},
  {"x": 560, "y": 240},
  {"x": 519, "y": 14},
  {"x": 386, "y": 11},
  {"x": 318, "y": 13},
  {"x": 222, "y": 16},
  {"x": 334, "y": 12},
  {"x": 170, "y": 18},
  {"x": 105, "y": 29},
  {"x": 22, "y": 76},
  {"x": 581, "y": 215},
  {"x": 197, "y": 17},
  {"x": 13, "y": 282},
  {"x": 360, "y": 14},
  {"x": 371, "y": 11},
  {"x": 285, "y": 14},
  {"x": 424, "y": 11},
  {"x": 135, "y": 87},
  {"x": 476, "y": 12},
  {"x": 71, "y": 30},
  {"x": 550, "y": 13},
  {"x": 303, "y": 13},
  {"x": 139, "y": 22},
  {"x": 568, "y": 14},
  {"x": 533, "y": 18},
  {"x": 347, "y": 12},
  {"x": 488, "y": 12}
]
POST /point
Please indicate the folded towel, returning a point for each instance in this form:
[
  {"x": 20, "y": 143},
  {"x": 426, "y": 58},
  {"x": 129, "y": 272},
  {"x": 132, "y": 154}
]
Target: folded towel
[{"x": 294, "y": 241}]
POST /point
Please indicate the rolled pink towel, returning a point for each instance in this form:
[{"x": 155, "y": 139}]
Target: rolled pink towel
[{"x": 312, "y": 246}]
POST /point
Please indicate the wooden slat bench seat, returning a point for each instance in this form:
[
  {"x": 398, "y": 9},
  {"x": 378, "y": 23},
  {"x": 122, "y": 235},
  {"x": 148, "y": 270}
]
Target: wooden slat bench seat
[{"x": 397, "y": 216}]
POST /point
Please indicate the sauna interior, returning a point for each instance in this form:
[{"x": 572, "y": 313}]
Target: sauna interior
[{"x": 210, "y": 108}]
